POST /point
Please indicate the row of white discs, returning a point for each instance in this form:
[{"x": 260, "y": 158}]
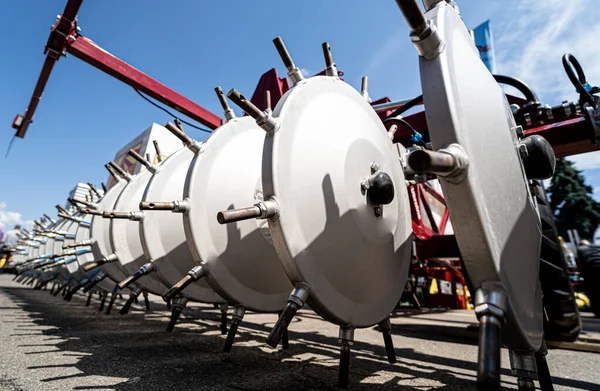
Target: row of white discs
[{"x": 325, "y": 242}]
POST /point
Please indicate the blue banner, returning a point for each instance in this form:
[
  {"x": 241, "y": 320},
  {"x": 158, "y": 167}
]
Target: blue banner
[{"x": 485, "y": 44}]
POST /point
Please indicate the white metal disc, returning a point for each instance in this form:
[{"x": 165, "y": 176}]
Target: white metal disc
[
  {"x": 125, "y": 234},
  {"x": 493, "y": 215},
  {"x": 83, "y": 233},
  {"x": 100, "y": 233},
  {"x": 241, "y": 262},
  {"x": 162, "y": 232},
  {"x": 328, "y": 238}
]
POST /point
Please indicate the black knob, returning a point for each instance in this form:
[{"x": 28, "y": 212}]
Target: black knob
[
  {"x": 540, "y": 161},
  {"x": 381, "y": 189}
]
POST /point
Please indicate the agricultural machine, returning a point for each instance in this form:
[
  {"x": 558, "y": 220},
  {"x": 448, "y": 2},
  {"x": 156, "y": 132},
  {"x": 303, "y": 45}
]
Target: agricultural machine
[{"x": 339, "y": 229}]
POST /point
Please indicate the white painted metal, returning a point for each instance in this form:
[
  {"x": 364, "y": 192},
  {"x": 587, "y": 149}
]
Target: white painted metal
[
  {"x": 494, "y": 217},
  {"x": 125, "y": 234},
  {"x": 353, "y": 263},
  {"x": 100, "y": 234},
  {"x": 162, "y": 232},
  {"x": 239, "y": 258},
  {"x": 83, "y": 233}
]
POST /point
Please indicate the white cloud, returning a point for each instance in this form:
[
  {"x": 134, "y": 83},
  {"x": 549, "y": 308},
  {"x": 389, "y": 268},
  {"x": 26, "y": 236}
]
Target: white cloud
[
  {"x": 531, "y": 48},
  {"x": 9, "y": 219},
  {"x": 305, "y": 72},
  {"x": 586, "y": 161}
]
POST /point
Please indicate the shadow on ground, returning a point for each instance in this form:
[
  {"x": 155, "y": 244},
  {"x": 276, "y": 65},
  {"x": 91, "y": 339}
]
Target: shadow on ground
[{"x": 138, "y": 348}]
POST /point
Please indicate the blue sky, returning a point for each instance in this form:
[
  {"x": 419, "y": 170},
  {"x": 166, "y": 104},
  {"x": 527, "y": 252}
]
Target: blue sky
[{"x": 85, "y": 115}]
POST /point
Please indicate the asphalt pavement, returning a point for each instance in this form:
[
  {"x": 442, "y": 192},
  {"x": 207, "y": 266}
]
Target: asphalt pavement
[{"x": 47, "y": 343}]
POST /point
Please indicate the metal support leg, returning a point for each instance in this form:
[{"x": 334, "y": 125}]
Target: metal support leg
[
  {"x": 102, "y": 301},
  {"x": 89, "y": 299},
  {"x": 146, "y": 301},
  {"x": 62, "y": 288},
  {"x": 111, "y": 302},
  {"x": 285, "y": 340},
  {"x": 224, "y": 308},
  {"x": 178, "y": 305},
  {"x": 295, "y": 302},
  {"x": 386, "y": 330},
  {"x": 490, "y": 308},
  {"x": 347, "y": 340},
  {"x": 134, "y": 294},
  {"x": 236, "y": 319},
  {"x": 523, "y": 367},
  {"x": 543, "y": 371}
]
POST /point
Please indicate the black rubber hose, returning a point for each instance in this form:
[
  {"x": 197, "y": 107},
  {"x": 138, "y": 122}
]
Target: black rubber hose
[
  {"x": 407, "y": 106},
  {"x": 520, "y": 85},
  {"x": 569, "y": 62}
]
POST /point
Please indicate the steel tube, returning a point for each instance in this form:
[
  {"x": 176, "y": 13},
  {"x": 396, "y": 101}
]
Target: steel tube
[
  {"x": 233, "y": 215},
  {"x": 413, "y": 14},
  {"x": 390, "y": 105},
  {"x": 424, "y": 161}
]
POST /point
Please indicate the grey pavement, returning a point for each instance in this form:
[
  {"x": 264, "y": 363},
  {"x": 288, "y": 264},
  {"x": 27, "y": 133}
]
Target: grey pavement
[{"x": 47, "y": 343}]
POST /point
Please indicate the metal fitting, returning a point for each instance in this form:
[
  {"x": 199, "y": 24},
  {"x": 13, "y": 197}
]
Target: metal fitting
[
  {"x": 298, "y": 296},
  {"x": 346, "y": 335}
]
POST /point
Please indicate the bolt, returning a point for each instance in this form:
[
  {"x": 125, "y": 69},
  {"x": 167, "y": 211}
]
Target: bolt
[
  {"x": 378, "y": 211},
  {"x": 523, "y": 151},
  {"x": 374, "y": 168}
]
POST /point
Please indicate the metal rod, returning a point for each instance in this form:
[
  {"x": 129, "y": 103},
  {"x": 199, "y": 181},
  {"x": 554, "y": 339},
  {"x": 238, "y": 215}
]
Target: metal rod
[
  {"x": 157, "y": 206},
  {"x": 284, "y": 54},
  {"x": 179, "y": 133},
  {"x": 364, "y": 87},
  {"x": 61, "y": 209},
  {"x": 112, "y": 172},
  {"x": 116, "y": 215},
  {"x": 103, "y": 187},
  {"x": 90, "y": 211},
  {"x": 82, "y": 202},
  {"x": 157, "y": 149},
  {"x": 267, "y": 100},
  {"x": 424, "y": 161},
  {"x": 148, "y": 158},
  {"x": 381, "y": 107},
  {"x": 244, "y": 104},
  {"x": 413, "y": 14},
  {"x": 49, "y": 218},
  {"x": 140, "y": 159},
  {"x": 233, "y": 215},
  {"x": 119, "y": 170},
  {"x": 222, "y": 100},
  {"x": 327, "y": 54}
]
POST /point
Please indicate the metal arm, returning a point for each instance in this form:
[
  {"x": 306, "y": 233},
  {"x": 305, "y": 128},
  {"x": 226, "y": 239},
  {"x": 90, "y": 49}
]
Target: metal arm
[{"x": 64, "y": 37}]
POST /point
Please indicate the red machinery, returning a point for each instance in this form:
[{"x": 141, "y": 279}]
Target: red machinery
[{"x": 571, "y": 128}]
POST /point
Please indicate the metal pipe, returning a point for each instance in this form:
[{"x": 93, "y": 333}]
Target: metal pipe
[
  {"x": 414, "y": 15},
  {"x": 157, "y": 149},
  {"x": 233, "y": 215},
  {"x": 424, "y": 161},
  {"x": 62, "y": 210},
  {"x": 50, "y": 218},
  {"x": 381, "y": 107},
  {"x": 141, "y": 160},
  {"x": 245, "y": 104},
  {"x": 112, "y": 173},
  {"x": 119, "y": 170},
  {"x": 94, "y": 189},
  {"x": 187, "y": 140}
]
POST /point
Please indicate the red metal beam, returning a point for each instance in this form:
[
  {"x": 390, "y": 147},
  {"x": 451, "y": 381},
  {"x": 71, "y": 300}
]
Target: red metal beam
[
  {"x": 64, "y": 38},
  {"x": 53, "y": 50},
  {"x": 87, "y": 50}
]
